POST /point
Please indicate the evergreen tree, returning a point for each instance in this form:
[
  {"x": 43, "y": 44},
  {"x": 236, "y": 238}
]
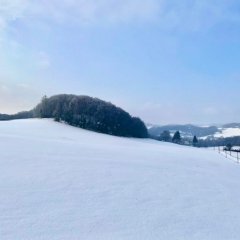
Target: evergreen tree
[
  {"x": 177, "y": 137},
  {"x": 229, "y": 147},
  {"x": 195, "y": 141},
  {"x": 165, "y": 136},
  {"x": 43, "y": 110}
]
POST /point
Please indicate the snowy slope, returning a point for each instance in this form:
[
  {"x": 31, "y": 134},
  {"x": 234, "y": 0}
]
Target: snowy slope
[
  {"x": 228, "y": 132},
  {"x": 62, "y": 183}
]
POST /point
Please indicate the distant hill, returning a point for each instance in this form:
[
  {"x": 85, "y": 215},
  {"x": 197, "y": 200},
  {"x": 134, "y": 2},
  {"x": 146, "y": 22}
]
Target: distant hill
[
  {"x": 231, "y": 125},
  {"x": 188, "y": 131},
  {"x": 88, "y": 113}
]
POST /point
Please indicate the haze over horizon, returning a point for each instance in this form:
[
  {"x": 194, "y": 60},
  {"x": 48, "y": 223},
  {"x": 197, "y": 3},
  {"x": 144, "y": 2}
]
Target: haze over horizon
[{"x": 165, "y": 61}]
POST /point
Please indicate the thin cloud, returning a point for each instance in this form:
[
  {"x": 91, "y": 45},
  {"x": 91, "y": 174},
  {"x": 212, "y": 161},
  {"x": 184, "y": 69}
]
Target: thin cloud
[
  {"x": 198, "y": 15},
  {"x": 191, "y": 15},
  {"x": 79, "y": 11},
  {"x": 93, "y": 12},
  {"x": 11, "y": 10},
  {"x": 187, "y": 14}
]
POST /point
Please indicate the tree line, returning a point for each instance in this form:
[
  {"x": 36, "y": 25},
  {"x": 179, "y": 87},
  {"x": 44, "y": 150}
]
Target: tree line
[
  {"x": 20, "y": 115},
  {"x": 92, "y": 114},
  {"x": 214, "y": 142},
  {"x": 86, "y": 112},
  {"x": 165, "y": 136}
]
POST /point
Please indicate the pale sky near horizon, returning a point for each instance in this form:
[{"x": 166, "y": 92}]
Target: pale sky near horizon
[{"x": 166, "y": 61}]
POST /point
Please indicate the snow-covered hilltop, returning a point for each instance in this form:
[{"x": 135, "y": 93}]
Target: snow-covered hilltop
[
  {"x": 87, "y": 113},
  {"x": 59, "y": 182}
]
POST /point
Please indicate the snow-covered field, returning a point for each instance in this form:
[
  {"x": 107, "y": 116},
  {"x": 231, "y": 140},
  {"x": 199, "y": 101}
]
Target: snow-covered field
[
  {"x": 62, "y": 183},
  {"x": 224, "y": 133},
  {"x": 228, "y": 132}
]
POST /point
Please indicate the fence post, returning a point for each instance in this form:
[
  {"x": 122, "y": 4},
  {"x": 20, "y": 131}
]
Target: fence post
[{"x": 237, "y": 158}]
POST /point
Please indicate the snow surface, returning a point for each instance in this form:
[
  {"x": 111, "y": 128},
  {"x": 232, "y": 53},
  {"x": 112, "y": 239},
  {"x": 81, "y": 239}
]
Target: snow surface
[
  {"x": 228, "y": 132},
  {"x": 62, "y": 183},
  {"x": 224, "y": 132}
]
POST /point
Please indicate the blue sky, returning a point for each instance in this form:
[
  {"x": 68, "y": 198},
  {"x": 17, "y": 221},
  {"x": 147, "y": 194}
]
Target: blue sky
[{"x": 166, "y": 61}]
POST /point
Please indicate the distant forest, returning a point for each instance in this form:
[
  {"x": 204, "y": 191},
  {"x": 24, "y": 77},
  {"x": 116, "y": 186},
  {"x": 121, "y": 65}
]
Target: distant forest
[
  {"x": 20, "y": 115},
  {"x": 234, "y": 141},
  {"x": 88, "y": 113},
  {"x": 209, "y": 142}
]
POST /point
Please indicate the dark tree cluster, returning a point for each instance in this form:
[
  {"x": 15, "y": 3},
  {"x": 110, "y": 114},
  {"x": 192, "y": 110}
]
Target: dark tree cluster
[
  {"x": 92, "y": 114},
  {"x": 233, "y": 141},
  {"x": 189, "y": 129},
  {"x": 165, "y": 136},
  {"x": 20, "y": 115}
]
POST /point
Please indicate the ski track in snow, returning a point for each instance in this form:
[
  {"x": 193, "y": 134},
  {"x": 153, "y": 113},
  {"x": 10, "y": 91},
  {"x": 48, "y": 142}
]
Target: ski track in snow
[{"x": 63, "y": 183}]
